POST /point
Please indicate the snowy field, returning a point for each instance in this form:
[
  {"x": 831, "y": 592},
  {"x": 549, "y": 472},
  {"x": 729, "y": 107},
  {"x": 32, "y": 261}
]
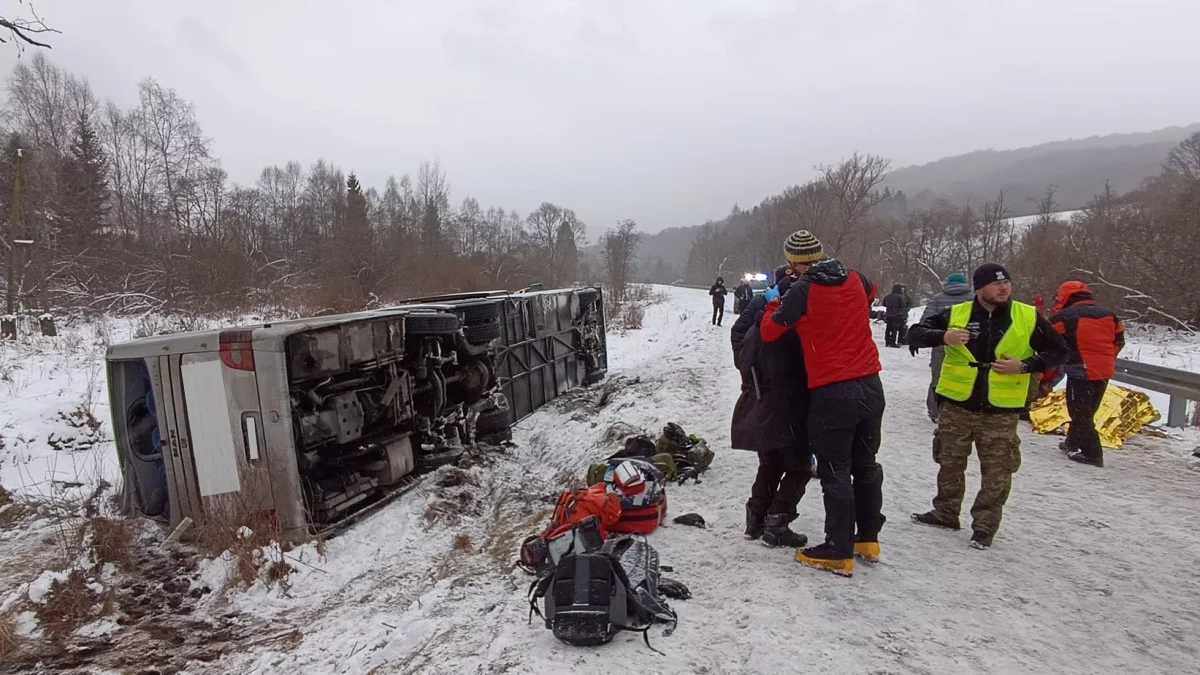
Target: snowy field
[{"x": 1072, "y": 584}]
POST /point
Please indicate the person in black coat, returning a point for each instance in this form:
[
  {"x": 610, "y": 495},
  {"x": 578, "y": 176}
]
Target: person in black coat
[
  {"x": 769, "y": 418},
  {"x": 718, "y": 293},
  {"x": 896, "y": 306}
]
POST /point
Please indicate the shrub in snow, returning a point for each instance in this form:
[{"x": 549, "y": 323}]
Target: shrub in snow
[{"x": 64, "y": 601}]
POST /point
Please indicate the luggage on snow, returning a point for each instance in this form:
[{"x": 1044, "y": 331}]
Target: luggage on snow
[
  {"x": 642, "y": 490},
  {"x": 592, "y": 594}
]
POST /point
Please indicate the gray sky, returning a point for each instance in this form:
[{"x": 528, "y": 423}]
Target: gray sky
[{"x": 665, "y": 111}]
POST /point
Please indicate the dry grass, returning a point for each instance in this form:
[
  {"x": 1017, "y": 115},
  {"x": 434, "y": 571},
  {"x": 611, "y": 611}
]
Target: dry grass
[
  {"x": 462, "y": 542},
  {"x": 244, "y": 536},
  {"x": 8, "y": 635},
  {"x": 69, "y": 605},
  {"x": 112, "y": 540}
]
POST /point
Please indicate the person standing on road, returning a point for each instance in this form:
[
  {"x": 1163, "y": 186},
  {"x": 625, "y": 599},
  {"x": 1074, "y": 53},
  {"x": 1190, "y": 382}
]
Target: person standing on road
[
  {"x": 830, "y": 308},
  {"x": 769, "y": 419},
  {"x": 992, "y": 344},
  {"x": 718, "y": 293},
  {"x": 1095, "y": 336},
  {"x": 954, "y": 290},
  {"x": 742, "y": 295},
  {"x": 896, "y": 306}
]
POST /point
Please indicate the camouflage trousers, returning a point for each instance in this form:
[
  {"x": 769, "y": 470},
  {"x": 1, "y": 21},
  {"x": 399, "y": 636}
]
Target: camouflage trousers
[{"x": 994, "y": 436}]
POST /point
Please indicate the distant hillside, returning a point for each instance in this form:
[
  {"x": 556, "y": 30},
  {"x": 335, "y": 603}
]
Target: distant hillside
[{"x": 1079, "y": 169}]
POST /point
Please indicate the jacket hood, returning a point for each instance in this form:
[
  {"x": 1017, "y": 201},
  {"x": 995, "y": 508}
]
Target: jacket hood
[
  {"x": 1070, "y": 293},
  {"x": 828, "y": 272},
  {"x": 898, "y": 289},
  {"x": 956, "y": 288}
]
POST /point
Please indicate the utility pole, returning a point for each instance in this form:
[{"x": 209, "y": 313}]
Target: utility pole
[{"x": 14, "y": 216}]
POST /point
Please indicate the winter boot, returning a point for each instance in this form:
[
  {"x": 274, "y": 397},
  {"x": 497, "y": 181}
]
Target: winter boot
[
  {"x": 754, "y": 524},
  {"x": 776, "y": 532},
  {"x": 932, "y": 518},
  {"x": 1078, "y": 456},
  {"x": 824, "y": 557},
  {"x": 981, "y": 541},
  {"x": 867, "y": 550}
]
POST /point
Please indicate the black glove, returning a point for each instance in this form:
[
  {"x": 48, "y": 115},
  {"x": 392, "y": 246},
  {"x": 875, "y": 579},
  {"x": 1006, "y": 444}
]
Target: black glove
[{"x": 913, "y": 349}]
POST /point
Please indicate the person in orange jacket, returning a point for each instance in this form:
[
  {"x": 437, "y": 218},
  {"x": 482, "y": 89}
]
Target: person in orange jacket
[{"x": 1095, "y": 336}]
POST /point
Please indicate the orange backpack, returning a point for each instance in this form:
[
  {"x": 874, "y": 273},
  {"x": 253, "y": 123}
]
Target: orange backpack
[{"x": 573, "y": 507}]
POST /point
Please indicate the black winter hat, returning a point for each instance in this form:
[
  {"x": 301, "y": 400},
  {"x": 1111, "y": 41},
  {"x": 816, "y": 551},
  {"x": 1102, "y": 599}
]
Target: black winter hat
[
  {"x": 989, "y": 273},
  {"x": 781, "y": 272}
]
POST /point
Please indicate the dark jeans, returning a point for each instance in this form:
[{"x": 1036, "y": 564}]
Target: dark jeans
[
  {"x": 779, "y": 485},
  {"x": 896, "y": 333},
  {"x": 844, "y": 421},
  {"x": 718, "y": 313},
  {"x": 1083, "y": 400}
]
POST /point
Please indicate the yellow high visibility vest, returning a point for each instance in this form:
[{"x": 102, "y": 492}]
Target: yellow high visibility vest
[{"x": 957, "y": 378}]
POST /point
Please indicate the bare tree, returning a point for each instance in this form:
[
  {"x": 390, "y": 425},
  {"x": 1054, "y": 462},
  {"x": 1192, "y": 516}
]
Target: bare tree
[
  {"x": 620, "y": 249},
  {"x": 556, "y": 235},
  {"x": 854, "y": 185},
  {"x": 1184, "y": 159},
  {"x": 21, "y": 30}
]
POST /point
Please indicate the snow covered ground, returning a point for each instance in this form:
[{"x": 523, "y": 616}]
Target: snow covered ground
[
  {"x": 1069, "y": 587},
  {"x": 1092, "y": 571}
]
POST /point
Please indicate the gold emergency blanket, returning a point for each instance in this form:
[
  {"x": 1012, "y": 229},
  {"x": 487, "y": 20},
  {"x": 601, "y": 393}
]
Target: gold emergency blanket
[{"x": 1122, "y": 414}]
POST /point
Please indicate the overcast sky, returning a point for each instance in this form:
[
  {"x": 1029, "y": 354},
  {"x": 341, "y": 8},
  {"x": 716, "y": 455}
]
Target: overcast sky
[{"x": 665, "y": 111}]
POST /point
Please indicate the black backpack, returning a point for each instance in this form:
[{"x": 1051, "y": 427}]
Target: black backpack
[{"x": 588, "y": 598}]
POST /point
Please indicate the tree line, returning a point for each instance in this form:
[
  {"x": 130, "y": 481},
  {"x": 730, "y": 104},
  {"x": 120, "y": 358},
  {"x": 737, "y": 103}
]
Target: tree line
[
  {"x": 127, "y": 209},
  {"x": 1136, "y": 249}
]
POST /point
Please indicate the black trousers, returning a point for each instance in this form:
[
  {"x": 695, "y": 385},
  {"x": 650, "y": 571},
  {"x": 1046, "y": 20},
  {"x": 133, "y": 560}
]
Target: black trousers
[
  {"x": 844, "y": 423},
  {"x": 896, "y": 331},
  {"x": 780, "y": 482},
  {"x": 718, "y": 313},
  {"x": 1083, "y": 400}
]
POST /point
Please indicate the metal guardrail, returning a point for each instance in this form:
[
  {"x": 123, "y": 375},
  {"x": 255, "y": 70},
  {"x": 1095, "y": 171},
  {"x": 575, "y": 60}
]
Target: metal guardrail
[{"x": 1181, "y": 385}]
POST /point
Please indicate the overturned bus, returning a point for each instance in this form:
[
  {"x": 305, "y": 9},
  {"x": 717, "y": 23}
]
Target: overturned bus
[{"x": 310, "y": 424}]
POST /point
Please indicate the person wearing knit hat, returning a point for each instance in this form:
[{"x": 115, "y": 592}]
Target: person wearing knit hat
[
  {"x": 954, "y": 290},
  {"x": 802, "y": 249},
  {"x": 829, "y": 308},
  {"x": 991, "y": 346}
]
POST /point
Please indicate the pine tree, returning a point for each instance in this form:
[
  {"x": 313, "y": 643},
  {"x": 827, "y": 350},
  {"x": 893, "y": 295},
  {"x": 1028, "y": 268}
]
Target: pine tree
[
  {"x": 356, "y": 244},
  {"x": 85, "y": 194}
]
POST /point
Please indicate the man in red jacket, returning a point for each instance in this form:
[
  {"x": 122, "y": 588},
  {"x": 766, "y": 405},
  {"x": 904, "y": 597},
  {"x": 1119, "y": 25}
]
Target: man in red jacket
[
  {"x": 1095, "y": 336},
  {"x": 830, "y": 308}
]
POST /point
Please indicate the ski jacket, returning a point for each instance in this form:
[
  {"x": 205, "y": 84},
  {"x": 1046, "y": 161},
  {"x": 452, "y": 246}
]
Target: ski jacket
[
  {"x": 830, "y": 308},
  {"x": 1094, "y": 335},
  {"x": 952, "y": 294}
]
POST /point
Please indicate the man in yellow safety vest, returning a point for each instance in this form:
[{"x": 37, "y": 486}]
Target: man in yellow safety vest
[{"x": 992, "y": 345}]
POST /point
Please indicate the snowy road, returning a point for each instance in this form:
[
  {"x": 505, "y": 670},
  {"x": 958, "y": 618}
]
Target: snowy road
[{"x": 1092, "y": 570}]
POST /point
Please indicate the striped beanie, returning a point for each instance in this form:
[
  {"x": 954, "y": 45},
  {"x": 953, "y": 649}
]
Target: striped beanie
[{"x": 802, "y": 247}]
